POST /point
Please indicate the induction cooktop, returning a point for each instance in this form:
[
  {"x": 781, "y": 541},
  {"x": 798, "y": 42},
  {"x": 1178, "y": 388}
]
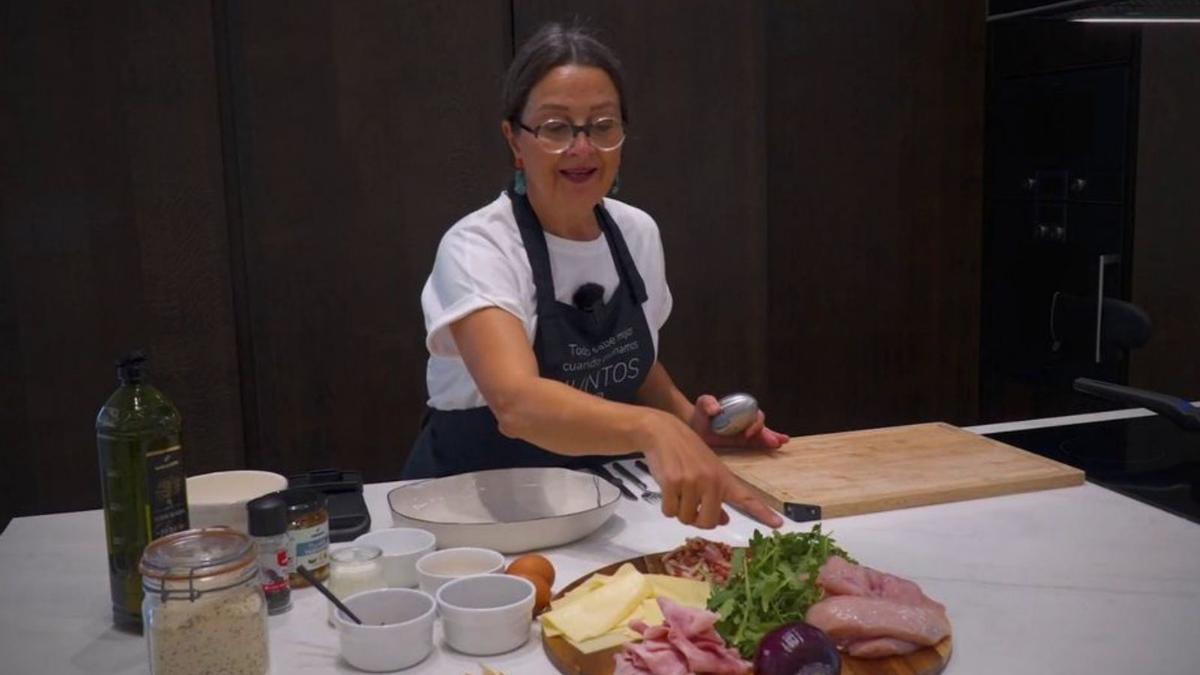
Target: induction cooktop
[{"x": 1149, "y": 459}]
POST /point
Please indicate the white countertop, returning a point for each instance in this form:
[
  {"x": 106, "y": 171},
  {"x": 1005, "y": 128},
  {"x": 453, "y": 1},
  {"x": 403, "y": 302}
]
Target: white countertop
[{"x": 1076, "y": 580}]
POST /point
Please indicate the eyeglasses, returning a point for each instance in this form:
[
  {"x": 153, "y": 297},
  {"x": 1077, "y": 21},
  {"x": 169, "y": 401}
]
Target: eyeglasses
[{"x": 556, "y": 135}]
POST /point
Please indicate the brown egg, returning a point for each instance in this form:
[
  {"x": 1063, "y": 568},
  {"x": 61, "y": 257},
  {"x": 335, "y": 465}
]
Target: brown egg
[
  {"x": 533, "y": 565},
  {"x": 541, "y": 592}
]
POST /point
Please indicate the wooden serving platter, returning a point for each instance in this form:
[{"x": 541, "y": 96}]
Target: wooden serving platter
[{"x": 927, "y": 661}]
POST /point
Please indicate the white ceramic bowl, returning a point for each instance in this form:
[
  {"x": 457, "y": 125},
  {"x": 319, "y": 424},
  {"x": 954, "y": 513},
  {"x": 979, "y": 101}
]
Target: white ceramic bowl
[
  {"x": 486, "y": 614},
  {"x": 397, "y": 629},
  {"x": 220, "y": 498},
  {"x": 440, "y": 567},
  {"x": 507, "y": 510},
  {"x": 402, "y": 547}
]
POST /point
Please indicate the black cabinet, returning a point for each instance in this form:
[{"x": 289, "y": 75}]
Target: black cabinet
[
  {"x": 1061, "y": 137},
  {"x": 1057, "y": 227}
]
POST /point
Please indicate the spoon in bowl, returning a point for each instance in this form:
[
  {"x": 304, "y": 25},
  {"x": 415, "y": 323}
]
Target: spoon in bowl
[{"x": 327, "y": 593}]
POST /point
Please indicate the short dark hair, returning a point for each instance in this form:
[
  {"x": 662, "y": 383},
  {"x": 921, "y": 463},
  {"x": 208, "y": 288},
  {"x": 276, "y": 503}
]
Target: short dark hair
[{"x": 555, "y": 45}]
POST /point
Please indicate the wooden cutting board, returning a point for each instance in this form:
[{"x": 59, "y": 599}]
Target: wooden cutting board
[
  {"x": 568, "y": 660},
  {"x": 844, "y": 474}
]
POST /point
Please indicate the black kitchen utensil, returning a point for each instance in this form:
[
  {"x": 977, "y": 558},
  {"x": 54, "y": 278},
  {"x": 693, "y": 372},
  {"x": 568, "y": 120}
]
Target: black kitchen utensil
[
  {"x": 629, "y": 475},
  {"x": 607, "y": 475},
  {"x": 348, "y": 515},
  {"x": 302, "y": 571},
  {"x": 643, "y": 466}
]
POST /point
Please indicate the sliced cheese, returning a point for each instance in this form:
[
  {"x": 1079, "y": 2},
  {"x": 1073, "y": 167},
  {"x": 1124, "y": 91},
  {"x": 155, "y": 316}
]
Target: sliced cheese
[
  {"x": 590, "y": 584},
  {"x": 687, "y": 592},
  {"x": 651, "y": 613},
  {"x": 648, "y": 612},
  {"x": 602, "y": 610},
  {"x": 595, "y": 615},
  {"x": 582, "y": 590},
  {"x": 606, "y": 641}
]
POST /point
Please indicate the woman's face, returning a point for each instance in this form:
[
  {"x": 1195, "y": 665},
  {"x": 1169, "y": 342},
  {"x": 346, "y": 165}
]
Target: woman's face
[{"x": 578, "y": 178}]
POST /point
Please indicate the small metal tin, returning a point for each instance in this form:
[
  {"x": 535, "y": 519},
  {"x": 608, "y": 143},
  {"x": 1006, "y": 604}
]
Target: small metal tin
[{"x": 738, "y": 411}]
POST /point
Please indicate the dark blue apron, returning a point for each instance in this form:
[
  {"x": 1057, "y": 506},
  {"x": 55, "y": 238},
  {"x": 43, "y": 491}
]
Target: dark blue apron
[{"x": 607, "y": 352}]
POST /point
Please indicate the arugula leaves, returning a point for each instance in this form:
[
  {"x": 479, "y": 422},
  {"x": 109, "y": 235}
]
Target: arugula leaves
[{"x": 771, "y": 583}]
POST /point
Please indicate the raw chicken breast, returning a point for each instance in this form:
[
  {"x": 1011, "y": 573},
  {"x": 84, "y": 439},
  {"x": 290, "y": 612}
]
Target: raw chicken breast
[{"x": 872, "y": 614}]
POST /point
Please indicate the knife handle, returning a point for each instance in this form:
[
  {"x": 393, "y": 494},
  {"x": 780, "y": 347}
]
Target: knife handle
[
  {"x": 643, "y": 466},
  {"x": 629, "y": 475},
  {"x": 605, "y": 474}
]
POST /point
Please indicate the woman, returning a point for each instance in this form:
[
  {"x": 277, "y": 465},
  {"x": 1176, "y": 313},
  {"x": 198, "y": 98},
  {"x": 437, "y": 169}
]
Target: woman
[{"x": 543, "y": 307}]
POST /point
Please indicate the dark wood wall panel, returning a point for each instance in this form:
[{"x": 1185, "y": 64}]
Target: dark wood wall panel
[
  {"x": 1166, "y": 236},
  {"x": 874, "y": 118},
  {"x": 364, "y": 130},
  {"x": 695, "y": 161},
  {"x": 255, "y": 192},
  {"x": 113, "y": 236}
]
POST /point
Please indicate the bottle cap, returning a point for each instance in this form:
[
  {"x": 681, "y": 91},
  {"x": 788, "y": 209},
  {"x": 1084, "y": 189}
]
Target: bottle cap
[
  {"x": 267, "y": 516},
  {"x": 131, "y": 367}
]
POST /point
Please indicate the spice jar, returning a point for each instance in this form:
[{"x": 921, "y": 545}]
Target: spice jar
[
  {"x": 267, "y": 521},
  {"x": 204, "y": 610},
  {"x": 308, "y": 527},
  {"x": 354, "y": 569}
]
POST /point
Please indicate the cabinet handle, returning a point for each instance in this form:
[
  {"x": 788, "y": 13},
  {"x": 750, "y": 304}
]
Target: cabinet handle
[{"x": 1105, "y": 260}]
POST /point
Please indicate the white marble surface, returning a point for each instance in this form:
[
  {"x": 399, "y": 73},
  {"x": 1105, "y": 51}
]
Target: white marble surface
[
  {"x": 1002, "y": 427},
  {"x": 1105, "y": 416},
  {"x": 1071, "y": 581}
]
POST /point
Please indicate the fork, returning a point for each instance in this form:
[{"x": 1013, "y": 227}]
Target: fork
[{"x": 648, "y": 495}]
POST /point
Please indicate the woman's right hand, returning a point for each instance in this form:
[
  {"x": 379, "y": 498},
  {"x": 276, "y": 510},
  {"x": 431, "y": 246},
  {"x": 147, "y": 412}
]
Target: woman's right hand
[{"x": 694, "y": 482}]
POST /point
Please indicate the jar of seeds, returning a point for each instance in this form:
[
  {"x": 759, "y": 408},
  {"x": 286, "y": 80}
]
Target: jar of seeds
[{"x": 204, "y": 609}]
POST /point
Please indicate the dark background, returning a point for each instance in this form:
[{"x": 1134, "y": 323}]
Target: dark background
[
  {"x": 254, "y": 191},
  {"x": 1089, "y": 131}
]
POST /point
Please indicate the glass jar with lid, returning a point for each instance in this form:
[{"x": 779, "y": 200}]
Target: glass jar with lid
[
  {"x": 308, "y": 530},
  {"x": 354, "y": 569},
  {"x": 204, "y": 609}
]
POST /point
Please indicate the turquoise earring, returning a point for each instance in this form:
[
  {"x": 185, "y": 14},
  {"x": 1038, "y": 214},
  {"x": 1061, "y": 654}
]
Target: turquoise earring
[
  {"x": 519, "y": 181},
  {"x": 616, "y": 186}
]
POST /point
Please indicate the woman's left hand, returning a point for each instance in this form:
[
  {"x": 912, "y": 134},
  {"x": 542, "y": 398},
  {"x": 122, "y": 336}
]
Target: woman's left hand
[{"x": 757, "y": 435}]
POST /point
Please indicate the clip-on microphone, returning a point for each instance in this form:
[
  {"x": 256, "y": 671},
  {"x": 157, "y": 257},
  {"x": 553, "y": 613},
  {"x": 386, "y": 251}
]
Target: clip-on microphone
[{"x": 588, "y": 297}]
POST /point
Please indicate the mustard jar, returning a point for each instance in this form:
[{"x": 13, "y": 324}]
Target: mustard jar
[
  {"x": 204, "y": 609},
  {"x": 308, "y": 529}
]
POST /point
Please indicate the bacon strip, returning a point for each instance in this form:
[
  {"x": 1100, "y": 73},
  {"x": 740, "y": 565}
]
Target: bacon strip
[{"x": 700, "y": 559}]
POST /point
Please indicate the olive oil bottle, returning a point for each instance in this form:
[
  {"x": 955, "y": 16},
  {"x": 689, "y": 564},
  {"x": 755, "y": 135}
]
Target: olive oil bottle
[{"x": 142, "y": 480}]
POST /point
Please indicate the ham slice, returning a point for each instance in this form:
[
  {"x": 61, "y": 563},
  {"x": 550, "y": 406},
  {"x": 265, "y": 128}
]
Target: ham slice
[
  {"x": 685, "y": 643},
  {"x": 871, "y": 614}
]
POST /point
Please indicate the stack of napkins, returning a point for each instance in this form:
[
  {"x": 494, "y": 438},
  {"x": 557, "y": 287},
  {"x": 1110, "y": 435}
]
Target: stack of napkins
[{"x": 596, "y": 614}]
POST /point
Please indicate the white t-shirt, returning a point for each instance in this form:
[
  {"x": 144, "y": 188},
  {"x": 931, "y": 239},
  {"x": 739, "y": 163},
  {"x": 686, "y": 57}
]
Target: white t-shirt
[{"x": 481, "y": 262}]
